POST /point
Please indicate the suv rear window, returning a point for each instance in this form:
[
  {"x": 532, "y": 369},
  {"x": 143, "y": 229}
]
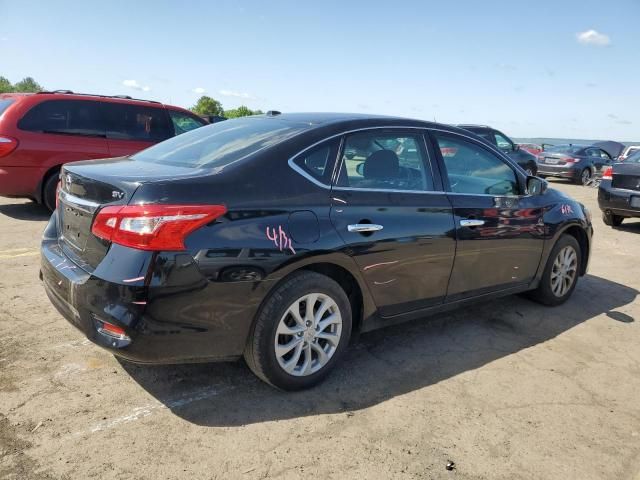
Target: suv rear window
[
  {"x": 222, "y": 143},
  {"x": 136, "y": 122},
  {"x": 72, "y": 117}
]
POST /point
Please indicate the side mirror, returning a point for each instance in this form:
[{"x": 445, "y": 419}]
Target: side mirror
[
  {"x": 536, "y": 186},
  {"x": 516, "y": 147},
  {"x": 360, "y": 169}
]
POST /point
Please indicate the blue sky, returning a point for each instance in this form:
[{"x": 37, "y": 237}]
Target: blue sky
[{"x": 541, "y": 68}]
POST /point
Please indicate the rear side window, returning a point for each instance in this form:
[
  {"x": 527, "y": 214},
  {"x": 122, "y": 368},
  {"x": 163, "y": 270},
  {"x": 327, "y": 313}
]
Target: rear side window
[
  {"x": 71, "y": 117},
  {"x": 220, "y": 144},
  {"x": 183, "y": 122},
  {"x": 136, "y": 122},
  {"x": 4, "y": 104},
  {"x": 318, "y": 161}
]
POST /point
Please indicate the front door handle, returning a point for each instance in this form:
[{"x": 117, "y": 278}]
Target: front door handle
[
  {"x": 471, "y": 222},
  {"x": 364, "y": 227}
]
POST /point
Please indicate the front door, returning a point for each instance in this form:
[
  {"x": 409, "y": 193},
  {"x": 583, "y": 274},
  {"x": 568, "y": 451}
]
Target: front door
[
  {"x": 499, "y": 229},
  {"x": 389, "y": 208}
]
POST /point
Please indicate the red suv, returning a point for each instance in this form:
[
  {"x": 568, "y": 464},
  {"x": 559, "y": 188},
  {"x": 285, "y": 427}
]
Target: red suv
[{"x": 40, "y": 132}]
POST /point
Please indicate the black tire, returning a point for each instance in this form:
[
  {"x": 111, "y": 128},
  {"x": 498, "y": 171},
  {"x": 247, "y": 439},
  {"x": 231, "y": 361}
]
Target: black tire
[
  {"x": 49, "y": 191},
  {"x": 260, "y": 353},
  {"x": 585, "y": 177},
  {"x": 544, "y": 293},
  {"x": 612, "y": 220}
]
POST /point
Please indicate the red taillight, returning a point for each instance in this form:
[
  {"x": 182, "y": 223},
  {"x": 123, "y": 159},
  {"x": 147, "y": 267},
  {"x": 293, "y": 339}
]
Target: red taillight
[
  {"x": 607, "y": 174},
  {"x": 7, "y": 145},
  {"x": 153, "y": 227},
  {"x": 572, "y": 160}
]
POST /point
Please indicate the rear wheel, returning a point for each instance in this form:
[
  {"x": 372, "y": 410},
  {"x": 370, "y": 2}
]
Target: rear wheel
[
  {"x": 529, "y": 171},
  {"x": 300, "y": 332},
  {"x": 612, "y": 220},
  {"x": 49, "y": 191},
  {"x": 585, "y": 177},
  {"x": 561, "y": 272}
]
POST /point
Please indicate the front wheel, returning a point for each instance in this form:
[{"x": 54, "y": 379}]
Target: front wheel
[
  {"x": 612, "y": 220},
  {"x": 561, "y": 273},
  {"x": 300, "y": 332}
]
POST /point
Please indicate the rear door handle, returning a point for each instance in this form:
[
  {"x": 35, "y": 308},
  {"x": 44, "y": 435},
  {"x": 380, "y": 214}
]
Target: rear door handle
[
  {"x": 364, "y": 227},
  {"x": 471, "y": 222}
]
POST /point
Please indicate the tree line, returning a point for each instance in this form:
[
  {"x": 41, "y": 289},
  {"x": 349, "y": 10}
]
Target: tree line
[{"x": 204, "y": 106}]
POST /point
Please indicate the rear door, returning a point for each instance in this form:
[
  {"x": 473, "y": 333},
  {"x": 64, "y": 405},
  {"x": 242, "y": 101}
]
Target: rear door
[
  {"x": 499, "y": 230},
  {"x": 132, "y": 127},
  {"x": 389, "y": 208}
]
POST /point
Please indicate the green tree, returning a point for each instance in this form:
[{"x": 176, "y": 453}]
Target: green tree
[
  {"x": 207, "y": 106},
  {"x": 5, "y": 85},
  {"x": 27, "y": 85},
  {"x": 241, "y": 111}
]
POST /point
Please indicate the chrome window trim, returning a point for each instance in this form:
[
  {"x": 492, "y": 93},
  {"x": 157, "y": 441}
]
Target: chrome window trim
[{"x": 338, "y": 163}]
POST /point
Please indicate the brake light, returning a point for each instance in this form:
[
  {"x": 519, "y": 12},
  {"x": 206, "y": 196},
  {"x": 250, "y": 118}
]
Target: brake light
[
  {"x": 7, "y": 145},
  {"x": 153, "y": 227},
  {"x": 572, "y": 160},
  {"x": 607, "y": 174}
]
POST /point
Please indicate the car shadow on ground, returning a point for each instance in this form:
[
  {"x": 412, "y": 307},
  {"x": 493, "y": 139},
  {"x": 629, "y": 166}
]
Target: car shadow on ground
[
  {"x": 25, "y": 211},
  {"x": 382, "y": 364},
  {"x": 629, "y": 225}
]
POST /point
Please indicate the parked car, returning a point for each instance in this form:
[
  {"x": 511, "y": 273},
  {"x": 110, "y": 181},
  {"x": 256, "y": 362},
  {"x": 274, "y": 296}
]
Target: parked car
[
  {"x": 495, "y": 137},
  {"x": 532, "y": 148},
  {"x": 316, "y": 244},
  {"x": 619, "y": 191},
  {"x": 627, "y": 152},
  {"x": 41, "y": 132},
  {"x": 213, "y": 118},
  {"x": 578, "y": 163}
]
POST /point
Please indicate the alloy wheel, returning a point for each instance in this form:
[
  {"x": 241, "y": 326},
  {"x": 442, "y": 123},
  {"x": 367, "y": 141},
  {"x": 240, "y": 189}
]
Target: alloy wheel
[
  {"x": 308, "y": 334},
  {"x": 586, "y": 176},
  {"x": 564, "y": 270}
]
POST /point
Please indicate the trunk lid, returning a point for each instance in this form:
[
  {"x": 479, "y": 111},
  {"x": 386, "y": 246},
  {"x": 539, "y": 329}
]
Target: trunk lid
[
  {"x": 627, "y": 176},
  {"x": 549, "y": 158},
  {"x": 85, "y": 187}
]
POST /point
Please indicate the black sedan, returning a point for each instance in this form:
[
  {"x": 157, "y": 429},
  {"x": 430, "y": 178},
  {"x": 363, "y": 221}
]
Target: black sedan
[
  {"x": 578, "y": 163},
  {"x": 278, "y": 237},
  {"x": 619, "y": 191}
]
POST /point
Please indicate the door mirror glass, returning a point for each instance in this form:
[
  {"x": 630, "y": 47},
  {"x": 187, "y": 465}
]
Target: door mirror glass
[{"x": 536, "y": 186}]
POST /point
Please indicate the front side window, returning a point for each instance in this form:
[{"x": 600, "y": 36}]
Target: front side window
[
  {"x": 136, "y": 122},
  {"x": 472, "y": 169},
  {"x": 633, "y": 158},
  {"x": 604, "y": 155},
  {"x": 69, "y": 117},
  {"x": 183, "y": 122},
  {"x": 385, "y": 161}
]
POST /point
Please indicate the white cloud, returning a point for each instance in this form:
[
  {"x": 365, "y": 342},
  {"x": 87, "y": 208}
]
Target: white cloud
[
  {"x": 199, "y": 90},
  {"x": 135, "y": 85},
  {"x": 593, "y": 37},
  {"x": 231, "y": 93}
]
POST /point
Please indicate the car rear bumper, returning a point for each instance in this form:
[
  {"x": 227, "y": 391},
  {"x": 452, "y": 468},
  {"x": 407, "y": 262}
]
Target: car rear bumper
[
  {"x": 562, "y": 171},
  {"x": 192, "y": 322},
  {"x": 617, "y": 200}
]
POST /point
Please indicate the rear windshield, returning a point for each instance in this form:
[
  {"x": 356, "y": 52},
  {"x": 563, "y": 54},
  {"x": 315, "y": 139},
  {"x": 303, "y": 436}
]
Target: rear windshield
[
  {"x": 564, "y": 149},
  {"x": 4, "y": 104},
  {"x": 222, "y": 143},
  {"x": 634, "y": 157}
]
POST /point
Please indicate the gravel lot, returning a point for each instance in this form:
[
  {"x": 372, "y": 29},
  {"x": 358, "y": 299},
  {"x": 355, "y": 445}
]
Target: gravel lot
[{"x": 506, "y": 390}]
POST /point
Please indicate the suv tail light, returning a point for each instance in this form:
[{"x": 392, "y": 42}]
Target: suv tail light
[
  {"x": 153, "y": 227},
  {"x": 607, "y": 174},
  {"x": 7, "y": 145}
]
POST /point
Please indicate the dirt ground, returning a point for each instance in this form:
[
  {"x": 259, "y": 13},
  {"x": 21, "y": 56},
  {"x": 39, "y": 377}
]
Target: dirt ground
[{"x": 506, "y": 390}]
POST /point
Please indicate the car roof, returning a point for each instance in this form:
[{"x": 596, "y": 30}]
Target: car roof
[{"x": 68, "y": 94}]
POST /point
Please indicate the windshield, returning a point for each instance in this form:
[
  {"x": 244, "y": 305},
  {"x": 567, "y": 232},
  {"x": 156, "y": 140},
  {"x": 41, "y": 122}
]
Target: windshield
[
  {"x": 222, "y": 143},
  {"x": 564, "y": 149}
]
